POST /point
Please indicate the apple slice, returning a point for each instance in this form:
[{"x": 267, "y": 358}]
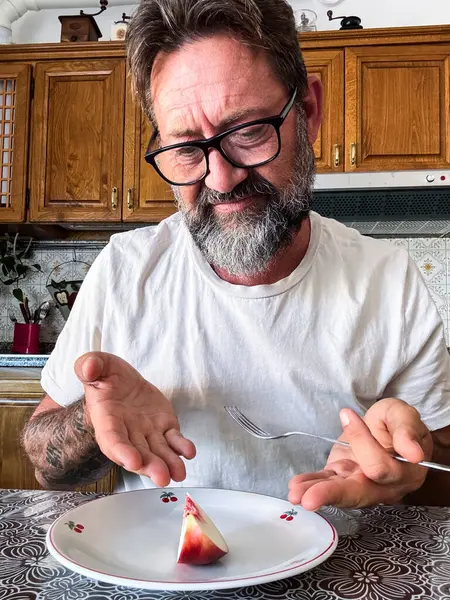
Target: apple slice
[{"x": 201, "y": 543}]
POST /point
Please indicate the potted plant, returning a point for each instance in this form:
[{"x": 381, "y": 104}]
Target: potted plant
[{"x": 14, "y": 269}]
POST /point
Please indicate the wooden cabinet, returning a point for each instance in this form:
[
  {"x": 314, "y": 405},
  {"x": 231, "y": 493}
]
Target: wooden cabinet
[
  {"x": 16, "y": 471},
  {"x": 397, "y": 107},
  {"x": 328, "y": 66},
  {"x": 77, "y": 141},
  {"x": 80, "y": 156},
  {"x": 15, "y": 97},
  {"x": 147, "y": 197}
]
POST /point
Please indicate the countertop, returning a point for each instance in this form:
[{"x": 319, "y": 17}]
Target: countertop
[
  {"x": 20, "y": 384},
  {"x": 384, "y": 553}
]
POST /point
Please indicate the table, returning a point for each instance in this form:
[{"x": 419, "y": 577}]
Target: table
[{"x": 385, "y": 553}]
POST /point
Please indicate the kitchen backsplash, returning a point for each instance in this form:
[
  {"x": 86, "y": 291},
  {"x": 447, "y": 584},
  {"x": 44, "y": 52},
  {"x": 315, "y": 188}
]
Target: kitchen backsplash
[
  {"x": 432, "y": 255},
  {"x": 58, "y": 262}
]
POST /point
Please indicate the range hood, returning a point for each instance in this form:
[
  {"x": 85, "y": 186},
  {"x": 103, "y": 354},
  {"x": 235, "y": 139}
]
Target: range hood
[{"x": 387, "y": 204}]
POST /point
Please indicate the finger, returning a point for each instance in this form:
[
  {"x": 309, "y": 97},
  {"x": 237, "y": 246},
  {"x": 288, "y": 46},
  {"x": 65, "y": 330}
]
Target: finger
[
  {"x": 410, "y": 436},
  {"x": 298, "y": 486},
  {"x": 152, "y": 465},
  {"x": 91, "y": 366},
  {"x": 351, "y": 492},
  {"x": 374, "y": 460},
  {"x": 115, "y": 444},
  {"x": 305, "y": 477},
  {"x": 180, "y": 444},
  {"x": 173, "y": 462}
]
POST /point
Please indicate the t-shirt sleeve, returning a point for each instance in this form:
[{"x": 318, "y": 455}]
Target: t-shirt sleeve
[
  {"x": 82, "y": 333},
  {"x": 424, "y": 381}
]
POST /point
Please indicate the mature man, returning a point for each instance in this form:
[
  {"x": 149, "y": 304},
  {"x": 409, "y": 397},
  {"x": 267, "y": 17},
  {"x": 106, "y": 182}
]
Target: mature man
[{"x": 244, "y": 297}]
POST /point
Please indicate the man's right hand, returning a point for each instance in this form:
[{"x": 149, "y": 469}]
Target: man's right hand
[{"x": 135, "y": 425}]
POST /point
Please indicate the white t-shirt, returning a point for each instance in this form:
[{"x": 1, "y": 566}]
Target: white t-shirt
[{"x": 352, "y": 324}]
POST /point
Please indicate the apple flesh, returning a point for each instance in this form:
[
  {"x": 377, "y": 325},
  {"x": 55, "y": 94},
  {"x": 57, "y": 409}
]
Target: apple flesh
[{"x": 201, "y": 543}]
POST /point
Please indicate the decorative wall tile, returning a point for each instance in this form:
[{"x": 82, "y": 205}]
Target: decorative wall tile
[
  {"x": 432, "y": 264},
  {"x": 424, "y": 243}
]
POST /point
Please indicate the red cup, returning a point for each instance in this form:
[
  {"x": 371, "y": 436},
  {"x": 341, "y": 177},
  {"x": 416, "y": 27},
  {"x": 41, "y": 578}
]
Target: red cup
[{"x": 26, "y": 338}]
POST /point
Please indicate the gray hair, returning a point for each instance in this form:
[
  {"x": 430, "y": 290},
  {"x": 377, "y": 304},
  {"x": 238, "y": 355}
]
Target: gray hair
[{"x": 165, "y": 25}]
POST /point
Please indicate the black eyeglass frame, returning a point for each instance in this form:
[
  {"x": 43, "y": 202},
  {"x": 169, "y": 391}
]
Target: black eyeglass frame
[{"x": 215, "y": 142}]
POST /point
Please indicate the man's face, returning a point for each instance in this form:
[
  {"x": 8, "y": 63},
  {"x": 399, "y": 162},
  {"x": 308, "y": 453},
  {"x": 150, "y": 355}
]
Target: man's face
[{"x": 239, "y": 218}]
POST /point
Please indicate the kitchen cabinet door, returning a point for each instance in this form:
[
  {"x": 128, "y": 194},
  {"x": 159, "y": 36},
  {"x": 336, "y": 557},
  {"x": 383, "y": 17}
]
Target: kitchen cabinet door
[
  {"x": 397, "y": 107},
  {"x": 16, "y": 471},
  {"x": 15, "y": 96},
  {"x": 328, "y": 66},
  {"x": 147, "y": 197},
  {"x": 77, "y": 141}
]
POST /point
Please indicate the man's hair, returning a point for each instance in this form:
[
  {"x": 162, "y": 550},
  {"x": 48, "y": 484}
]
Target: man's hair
[{"x": 165, "y": 25}]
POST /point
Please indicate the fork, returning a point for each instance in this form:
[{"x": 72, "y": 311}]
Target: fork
[{"x": 257, "y": 432}]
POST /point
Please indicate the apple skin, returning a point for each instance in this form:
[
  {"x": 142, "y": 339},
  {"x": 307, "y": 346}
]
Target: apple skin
[{"x": 197, "y": 548}]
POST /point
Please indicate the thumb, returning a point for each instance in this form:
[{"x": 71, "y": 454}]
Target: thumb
[{"x": 90, "y": 367}]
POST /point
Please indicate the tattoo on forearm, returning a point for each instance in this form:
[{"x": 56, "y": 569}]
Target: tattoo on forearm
[
  {"x": 54, "y": 456},
  {"x": 63, "y": 449}
]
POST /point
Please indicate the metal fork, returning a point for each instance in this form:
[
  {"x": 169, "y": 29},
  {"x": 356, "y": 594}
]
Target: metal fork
[{"x": 257, "y": 432}]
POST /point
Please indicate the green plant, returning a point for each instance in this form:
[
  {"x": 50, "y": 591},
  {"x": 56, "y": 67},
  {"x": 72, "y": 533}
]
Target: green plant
[{"x": 13, "y": 267}]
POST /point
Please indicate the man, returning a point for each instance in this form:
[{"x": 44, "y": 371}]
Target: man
[{"x": 244, "y": 297}]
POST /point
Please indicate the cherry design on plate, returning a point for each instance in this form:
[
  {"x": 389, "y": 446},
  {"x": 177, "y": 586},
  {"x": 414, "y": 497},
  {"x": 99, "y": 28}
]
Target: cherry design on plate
[
  {"x": 75, "y": 526},
  {"x": 167, "y": 497},
  {"x": 289, "y": 515}
]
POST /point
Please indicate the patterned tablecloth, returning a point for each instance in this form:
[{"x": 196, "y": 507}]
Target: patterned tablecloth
[{"x": 386, "y": 553}]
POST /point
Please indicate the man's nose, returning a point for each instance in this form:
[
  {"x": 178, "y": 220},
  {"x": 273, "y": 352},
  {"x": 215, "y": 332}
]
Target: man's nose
[{"x": 222, "y": 176}]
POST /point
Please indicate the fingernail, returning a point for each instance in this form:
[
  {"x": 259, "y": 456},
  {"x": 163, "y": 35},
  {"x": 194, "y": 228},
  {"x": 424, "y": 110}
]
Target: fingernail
[
  {"x": 345, "y": 419},
  {"x": 100, "y": 364}
]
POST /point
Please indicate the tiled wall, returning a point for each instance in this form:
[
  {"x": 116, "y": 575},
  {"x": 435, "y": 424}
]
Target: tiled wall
[
  {"x": 54, "y": 261},
  {"x": 432, "y": 256}
]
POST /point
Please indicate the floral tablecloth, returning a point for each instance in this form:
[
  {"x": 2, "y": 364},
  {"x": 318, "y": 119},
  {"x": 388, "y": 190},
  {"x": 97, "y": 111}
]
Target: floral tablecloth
[{"x": 386, "y": 553}]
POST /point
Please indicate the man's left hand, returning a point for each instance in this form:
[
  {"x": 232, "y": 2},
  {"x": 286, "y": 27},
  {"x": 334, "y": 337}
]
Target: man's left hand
[{"x": 367, "y": 474}]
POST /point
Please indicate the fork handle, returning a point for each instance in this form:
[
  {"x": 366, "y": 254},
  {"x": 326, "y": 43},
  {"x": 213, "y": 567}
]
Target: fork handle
[{"x": 424, "y": 463}]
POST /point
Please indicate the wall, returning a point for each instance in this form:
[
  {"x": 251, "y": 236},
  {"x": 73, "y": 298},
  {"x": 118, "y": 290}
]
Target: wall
[
  {"x": 432, "y": 255},
  {"x": 44, "y": 26}
]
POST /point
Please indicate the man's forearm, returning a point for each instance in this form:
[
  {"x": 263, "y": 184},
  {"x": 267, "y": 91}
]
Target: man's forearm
[{"x": 61, "y": 446}]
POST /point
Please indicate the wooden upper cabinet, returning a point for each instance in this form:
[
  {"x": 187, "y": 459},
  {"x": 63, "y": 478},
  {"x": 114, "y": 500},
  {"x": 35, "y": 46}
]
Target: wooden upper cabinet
[
  {"x": 77, "y": 140},
  {"x": 147, "y": 197},
  {"x": 15, "y": 95},
  {"x": 397, "y": 107},
  {"x": 328, "y": 66}
]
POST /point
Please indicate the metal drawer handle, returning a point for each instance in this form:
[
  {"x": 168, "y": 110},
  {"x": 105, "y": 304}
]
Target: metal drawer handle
[
  {"x": 337, "y": 155},
  {"x": 114, "y": 198},
  {"x": 353, "y": 155},
  {"x": 130, "y": 199}
]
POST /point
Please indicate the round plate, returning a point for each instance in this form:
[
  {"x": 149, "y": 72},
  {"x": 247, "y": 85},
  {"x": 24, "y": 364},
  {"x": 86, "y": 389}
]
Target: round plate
[{"x": 131, "y": 539}]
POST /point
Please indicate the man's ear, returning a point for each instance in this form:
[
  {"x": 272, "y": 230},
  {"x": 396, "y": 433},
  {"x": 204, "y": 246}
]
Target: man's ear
[{"x": 313, "y": 105}]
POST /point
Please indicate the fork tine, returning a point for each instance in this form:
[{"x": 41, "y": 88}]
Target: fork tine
[
  {"x": 255, "y": 427},
  {"x": 236, "y": 418},
  {"x": 244, "y": 422}
]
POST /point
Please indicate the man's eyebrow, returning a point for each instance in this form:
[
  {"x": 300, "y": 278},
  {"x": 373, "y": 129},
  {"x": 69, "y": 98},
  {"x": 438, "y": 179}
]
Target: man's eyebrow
[{"x": 238, "y": 115}]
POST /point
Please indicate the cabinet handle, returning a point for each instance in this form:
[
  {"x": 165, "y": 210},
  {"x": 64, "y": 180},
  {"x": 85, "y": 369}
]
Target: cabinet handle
[
  {"x": 353, "y": 155},
  {"x": 130, "y": 199},
  {"x": 337, "y": 155},
  {"x": 114, "y": 198}
]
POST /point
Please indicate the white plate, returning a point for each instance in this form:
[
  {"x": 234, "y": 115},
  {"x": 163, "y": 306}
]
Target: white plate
[{"x": 132, "y": 539}]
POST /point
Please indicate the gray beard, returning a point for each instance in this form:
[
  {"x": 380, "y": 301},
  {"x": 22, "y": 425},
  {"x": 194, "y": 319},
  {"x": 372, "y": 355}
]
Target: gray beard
[{"x": 245, "y": 243}]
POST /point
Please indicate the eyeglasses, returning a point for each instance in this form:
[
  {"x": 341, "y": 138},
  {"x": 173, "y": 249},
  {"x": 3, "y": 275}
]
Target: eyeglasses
[{"x": 245, "y": 146}]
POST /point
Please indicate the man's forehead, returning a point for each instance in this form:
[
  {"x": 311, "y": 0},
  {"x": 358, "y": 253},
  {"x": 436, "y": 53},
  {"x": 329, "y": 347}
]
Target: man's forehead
[{"x": 217, "y": 73}]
